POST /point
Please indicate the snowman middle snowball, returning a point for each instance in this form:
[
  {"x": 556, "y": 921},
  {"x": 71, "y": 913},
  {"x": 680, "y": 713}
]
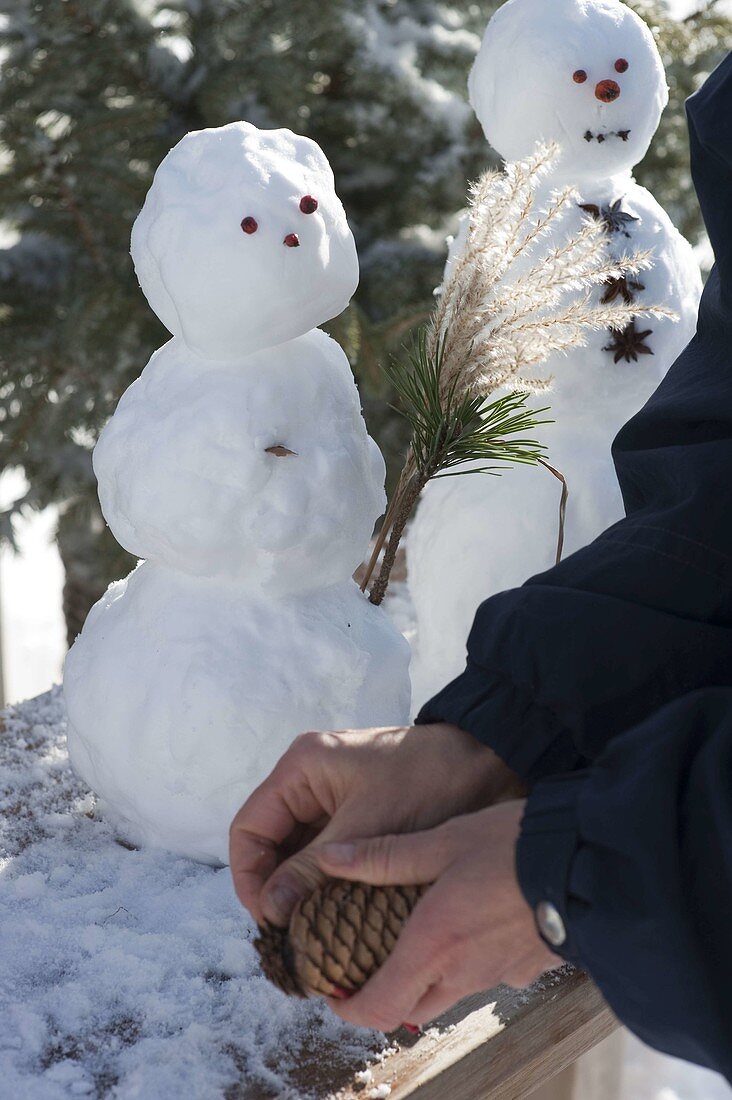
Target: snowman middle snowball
[{"x": 239, "y": 466}]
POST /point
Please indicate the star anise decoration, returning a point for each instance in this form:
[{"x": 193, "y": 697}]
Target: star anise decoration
[
  {"x": 624, "y": 287},
  {"x": 615, "y": 219},
  {"x": 628, "y": 343}
]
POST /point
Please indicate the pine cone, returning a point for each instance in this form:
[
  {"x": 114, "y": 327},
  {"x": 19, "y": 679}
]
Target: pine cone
[{"x": 338, "y": 937}]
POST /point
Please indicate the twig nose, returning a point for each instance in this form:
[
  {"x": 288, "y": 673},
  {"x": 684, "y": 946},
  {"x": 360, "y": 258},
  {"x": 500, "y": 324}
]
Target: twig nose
[
  {"x": 292, "y": 240},
  {"x": 607, "y": 91}
]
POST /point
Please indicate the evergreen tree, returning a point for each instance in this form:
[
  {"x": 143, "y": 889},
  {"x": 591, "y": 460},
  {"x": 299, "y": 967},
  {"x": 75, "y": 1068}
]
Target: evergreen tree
[{"x": 92, "y": 95}]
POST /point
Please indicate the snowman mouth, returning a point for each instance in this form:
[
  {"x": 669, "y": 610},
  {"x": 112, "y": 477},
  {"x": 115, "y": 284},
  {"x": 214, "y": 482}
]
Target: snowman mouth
[{"x": 606, "y": 135}]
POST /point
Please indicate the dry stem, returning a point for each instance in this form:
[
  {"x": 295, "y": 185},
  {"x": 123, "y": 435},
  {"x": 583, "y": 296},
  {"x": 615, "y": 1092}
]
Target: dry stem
[{"x": 404, "y": 503}]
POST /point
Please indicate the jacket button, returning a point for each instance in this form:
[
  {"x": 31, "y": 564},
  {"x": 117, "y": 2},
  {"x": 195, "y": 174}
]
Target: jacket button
[{"x": 550, "y": 923}]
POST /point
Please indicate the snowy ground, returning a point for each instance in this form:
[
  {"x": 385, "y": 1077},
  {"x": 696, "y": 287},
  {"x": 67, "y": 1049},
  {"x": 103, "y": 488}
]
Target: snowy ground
[{"x": 125, "y": 973}]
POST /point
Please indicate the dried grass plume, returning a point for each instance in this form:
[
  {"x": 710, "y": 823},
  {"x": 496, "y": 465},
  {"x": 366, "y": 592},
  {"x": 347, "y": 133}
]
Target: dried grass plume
[{"x": 521, "y": 290}]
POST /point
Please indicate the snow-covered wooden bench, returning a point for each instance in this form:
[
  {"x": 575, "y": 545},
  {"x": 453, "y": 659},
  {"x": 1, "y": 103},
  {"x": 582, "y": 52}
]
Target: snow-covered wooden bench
[{"x": 132, "y": 972}]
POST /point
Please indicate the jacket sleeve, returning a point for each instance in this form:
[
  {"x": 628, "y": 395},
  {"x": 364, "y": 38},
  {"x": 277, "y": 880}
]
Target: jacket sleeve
[
  {"x": 644, "y": 614},
  {"x": 636, "y": 855}
]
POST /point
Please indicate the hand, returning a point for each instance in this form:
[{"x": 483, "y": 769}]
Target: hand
[
  {"x": 331, "y": 786},
  {"x": 472, "y": 929}
]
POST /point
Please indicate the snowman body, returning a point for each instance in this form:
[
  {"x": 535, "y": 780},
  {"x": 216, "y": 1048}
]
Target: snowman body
[
  {"x": 475, "y": 536},
  {"x": 189, "y": 478},
  {"x": 243, "y": 474}
]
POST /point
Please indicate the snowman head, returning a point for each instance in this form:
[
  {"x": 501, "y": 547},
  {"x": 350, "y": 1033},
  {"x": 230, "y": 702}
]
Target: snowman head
[
  {"x": 584, "y": 73},
  {"x": 242, "y": 242}
]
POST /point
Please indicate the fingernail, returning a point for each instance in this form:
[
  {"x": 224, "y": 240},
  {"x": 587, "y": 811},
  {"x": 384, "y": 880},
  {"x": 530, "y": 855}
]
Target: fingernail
[
  {"x": 412, "y": 1029},
  {"x": 342, "y": 854},
  {"x": 281, "y": 899}
]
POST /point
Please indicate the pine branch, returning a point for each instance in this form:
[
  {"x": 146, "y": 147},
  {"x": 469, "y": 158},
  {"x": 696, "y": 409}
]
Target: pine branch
[
  {"x": 453, "y": 434},
  {"x": 450, "y": 427}
]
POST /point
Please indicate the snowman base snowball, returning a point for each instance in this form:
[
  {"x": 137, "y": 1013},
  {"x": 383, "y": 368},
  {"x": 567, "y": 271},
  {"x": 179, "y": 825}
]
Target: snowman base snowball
[{"x": 175, "y": 692}]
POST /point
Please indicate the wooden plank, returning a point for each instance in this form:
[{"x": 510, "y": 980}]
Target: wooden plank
[{"x": 500, "y": 1045}]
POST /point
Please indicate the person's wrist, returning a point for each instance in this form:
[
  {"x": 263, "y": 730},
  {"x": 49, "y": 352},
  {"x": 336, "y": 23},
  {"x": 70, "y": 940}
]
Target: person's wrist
[
  {"x": 490, "y": 777},
  {"x": 501, "y": 783}
]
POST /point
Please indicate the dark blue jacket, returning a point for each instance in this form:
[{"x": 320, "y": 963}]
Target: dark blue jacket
[{"x": 607, "y": 683}]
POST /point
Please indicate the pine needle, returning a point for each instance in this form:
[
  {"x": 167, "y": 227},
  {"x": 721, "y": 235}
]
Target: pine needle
[{"x": 452, "y": 427}]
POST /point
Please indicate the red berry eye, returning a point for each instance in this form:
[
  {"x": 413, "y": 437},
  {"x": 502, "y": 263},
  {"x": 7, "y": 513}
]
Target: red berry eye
[
  {"x": 250, "y": 225},
  {"x": 580, "y": 76},
  {"x": 308, "y": 204},
  {"x": 621, "y": 65}
]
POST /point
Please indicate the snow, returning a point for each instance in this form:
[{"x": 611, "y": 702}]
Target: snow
[
  {"x": 393, "y": 44},
  {"x": 227, "y": 291},
  {"x": 240, "y": 468},
  {"x": 477, "y": 535},
  {"x": 127, "y": 973},
  {"x": 680, "y": 9}
]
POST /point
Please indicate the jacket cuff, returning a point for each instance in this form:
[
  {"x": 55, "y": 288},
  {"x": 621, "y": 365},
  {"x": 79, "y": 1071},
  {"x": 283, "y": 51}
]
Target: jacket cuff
[
  {"x": 546, "y": 849},
  {"x": 529, "y": 738}
]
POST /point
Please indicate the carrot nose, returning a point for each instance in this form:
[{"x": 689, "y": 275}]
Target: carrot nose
[
  {"x": 292, "y": 240},
  {"x": 607, "y": 91}
]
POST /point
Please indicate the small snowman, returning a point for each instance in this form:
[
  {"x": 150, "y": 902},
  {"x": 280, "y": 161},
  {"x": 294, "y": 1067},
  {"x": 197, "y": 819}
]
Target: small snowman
[
  {"x": 238, "y": 466},
  {"x": 585, "y": 74}
]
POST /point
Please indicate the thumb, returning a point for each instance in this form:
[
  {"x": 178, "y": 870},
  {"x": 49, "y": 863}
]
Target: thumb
[
  {"x": 294, "y": 879},
  {"x": 408, "y": 859}
]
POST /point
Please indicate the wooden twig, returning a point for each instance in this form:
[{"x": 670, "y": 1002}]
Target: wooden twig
[
  {"x": 379, "y": 544},
  {"x": 404, "y": 503},
  {"x": 404, "y": 478},
  {"x": 279, "y": 451},
  {"x": 562, "y": 505}
]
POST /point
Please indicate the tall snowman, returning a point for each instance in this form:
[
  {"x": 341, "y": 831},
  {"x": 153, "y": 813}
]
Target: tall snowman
[
  {"x": 587, "y": 75},
  {"x": 239, "y": 467}
]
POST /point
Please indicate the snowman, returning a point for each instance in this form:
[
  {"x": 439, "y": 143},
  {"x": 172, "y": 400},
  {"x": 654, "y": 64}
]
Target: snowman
[
  {"x": 238, "y": 466},
  {"x": 585, "y": 74}
]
